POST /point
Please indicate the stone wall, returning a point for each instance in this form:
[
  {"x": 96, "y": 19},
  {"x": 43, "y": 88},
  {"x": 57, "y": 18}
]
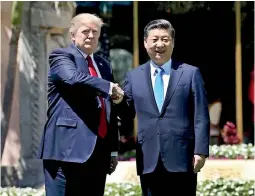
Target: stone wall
[
  {"x": 44, "y": 27},
  {"x": 12, "y": 146}
]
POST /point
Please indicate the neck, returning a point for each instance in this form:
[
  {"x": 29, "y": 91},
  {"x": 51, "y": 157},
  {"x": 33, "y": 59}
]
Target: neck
[
  {"x": 158, "y": 63},
  {"x": 82, "y": 49},
  {"x": 85, "y": 51}
]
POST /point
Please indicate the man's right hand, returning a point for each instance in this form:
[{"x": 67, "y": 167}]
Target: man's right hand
[{"x": 117, "y": 94}]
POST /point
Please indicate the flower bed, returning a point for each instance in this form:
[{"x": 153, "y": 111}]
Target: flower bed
[
  {"x": 222, "y": 187},
  {"x": 219, "y": 187},
  {"x": 241, "y": 151}
]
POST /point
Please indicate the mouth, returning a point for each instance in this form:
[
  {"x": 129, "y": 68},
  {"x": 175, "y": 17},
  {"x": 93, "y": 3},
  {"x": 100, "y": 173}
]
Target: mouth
[
  {"x": 88, "y": 41},
  {"x": 159, "y": 51}
]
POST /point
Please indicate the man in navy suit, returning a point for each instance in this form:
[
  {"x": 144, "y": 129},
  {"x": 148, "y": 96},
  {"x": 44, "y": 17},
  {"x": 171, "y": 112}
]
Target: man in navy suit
[
  {"x": 80, "y": 140},
  {"x": 170, "y": 102}
]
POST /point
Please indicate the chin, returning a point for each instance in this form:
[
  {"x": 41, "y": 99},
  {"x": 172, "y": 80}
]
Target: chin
[{"x": 159, "y": 59}]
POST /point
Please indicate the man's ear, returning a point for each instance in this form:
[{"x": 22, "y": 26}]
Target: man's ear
[
  {"x": 72, "y": 36},
  {"x": 145, "y": 42}
]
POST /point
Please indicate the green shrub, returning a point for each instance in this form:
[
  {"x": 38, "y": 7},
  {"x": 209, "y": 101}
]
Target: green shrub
[
  {"x": 13, "y": 191},
  {"x": 218, "y": 187},
  {"x": 124, "y": 189},
  {"x": 240, "y": 151},
  {"x": 223, "y": 187}
]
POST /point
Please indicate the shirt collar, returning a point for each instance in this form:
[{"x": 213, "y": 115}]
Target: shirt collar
[{"x": 166, "y": 66}]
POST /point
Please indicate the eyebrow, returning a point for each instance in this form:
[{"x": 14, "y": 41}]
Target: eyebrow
[
  {"x": 165, "y": 36},
  {"x": 88, "y": 29}
]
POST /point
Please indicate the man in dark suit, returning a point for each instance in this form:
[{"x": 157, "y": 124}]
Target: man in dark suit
[
  {"x": 170, "y": 102},
  {"x": 80, "y": 140}
]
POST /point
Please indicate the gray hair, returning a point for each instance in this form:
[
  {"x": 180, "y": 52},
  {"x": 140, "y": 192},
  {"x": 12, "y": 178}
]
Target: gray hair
[
  {"x": 159, "y": 24},
  {"x": 83, "y": 18}
]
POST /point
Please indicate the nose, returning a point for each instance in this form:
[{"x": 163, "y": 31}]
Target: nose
[
  {"x": 90, "y": 34},
  {"x": 160, "y": 43}
]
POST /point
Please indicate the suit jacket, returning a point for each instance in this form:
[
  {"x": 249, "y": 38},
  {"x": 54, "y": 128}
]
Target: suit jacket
[
  {"x": 180, "y": 130},
  {"x": 71, "y": 131}
]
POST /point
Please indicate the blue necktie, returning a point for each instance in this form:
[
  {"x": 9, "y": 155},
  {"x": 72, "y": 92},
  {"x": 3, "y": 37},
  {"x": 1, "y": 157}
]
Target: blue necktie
[{"x": 159, "y": 88}]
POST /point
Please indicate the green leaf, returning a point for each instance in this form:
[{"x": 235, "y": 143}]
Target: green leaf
[{"x": 16, "y": 17}]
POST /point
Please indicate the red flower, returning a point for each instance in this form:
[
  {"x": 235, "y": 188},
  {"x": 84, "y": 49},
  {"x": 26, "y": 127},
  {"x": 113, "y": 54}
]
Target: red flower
[{"x": 230, "y": 134}]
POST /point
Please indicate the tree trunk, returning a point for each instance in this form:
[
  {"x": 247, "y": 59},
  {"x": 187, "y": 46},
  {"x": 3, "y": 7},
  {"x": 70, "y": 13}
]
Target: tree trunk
[{"x": 9, "y": 85}]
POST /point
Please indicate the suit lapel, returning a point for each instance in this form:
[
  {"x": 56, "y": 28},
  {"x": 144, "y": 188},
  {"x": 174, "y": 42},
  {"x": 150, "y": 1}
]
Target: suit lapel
[
  {"x": 83, "y": 65},
  {"x": 80, "y": 60},
  {"x": 101, "y": 67},
  {"x": 175, "y": 75},
  {"x": 147, "y": 73}
]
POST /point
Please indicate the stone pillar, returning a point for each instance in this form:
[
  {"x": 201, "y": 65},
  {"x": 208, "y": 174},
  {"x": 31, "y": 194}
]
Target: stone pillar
[{"x": 44, "y": 27}]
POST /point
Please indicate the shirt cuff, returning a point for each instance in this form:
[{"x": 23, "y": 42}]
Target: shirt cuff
[
  {"x": 114, "y": 154},
  {"x": 110, "y": 89}
]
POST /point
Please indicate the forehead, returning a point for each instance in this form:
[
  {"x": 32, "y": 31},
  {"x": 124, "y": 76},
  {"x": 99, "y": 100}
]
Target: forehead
[
  {"x": 84, "y": 26},
  {"x": 159, "y": 33}
]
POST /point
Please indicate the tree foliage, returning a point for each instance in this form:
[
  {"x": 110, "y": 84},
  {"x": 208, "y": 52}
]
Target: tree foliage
[
  {"x": 16, "y": 16},
  {"x": 182, "y": 7}
]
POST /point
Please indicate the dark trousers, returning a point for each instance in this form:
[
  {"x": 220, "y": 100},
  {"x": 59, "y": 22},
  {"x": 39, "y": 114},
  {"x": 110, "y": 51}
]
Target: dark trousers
[
  {"x": 77, "y": 179},
  {"x": 164, "y": 183}
]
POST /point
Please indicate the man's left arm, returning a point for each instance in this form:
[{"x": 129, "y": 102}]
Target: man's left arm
[{"x": 201, "y": 115}]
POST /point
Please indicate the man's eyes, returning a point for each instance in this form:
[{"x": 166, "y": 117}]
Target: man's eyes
[
  {"x": 164, "y": 40},
  {"x": 87, "y": 31}
]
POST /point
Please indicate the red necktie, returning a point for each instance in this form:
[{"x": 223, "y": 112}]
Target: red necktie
[{"x": 103, "y": 123}]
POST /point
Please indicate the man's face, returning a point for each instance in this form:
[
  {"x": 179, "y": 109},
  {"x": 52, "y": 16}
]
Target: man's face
[
  {"x": 159, "y": 45},
  {"x": 86, "y": 37}
]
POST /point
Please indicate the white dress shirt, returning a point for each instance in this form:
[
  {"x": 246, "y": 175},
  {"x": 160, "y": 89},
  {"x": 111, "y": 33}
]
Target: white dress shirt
[{"x": 166, "y": 75}]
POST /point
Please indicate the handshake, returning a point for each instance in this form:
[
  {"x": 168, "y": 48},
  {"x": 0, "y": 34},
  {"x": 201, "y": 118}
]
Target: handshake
[{"x": 117, "y": 93}]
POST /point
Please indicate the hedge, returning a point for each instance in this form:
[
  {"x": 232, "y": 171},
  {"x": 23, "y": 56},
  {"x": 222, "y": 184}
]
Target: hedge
[
  {"x": 217, "y": 187},
  {"x": 241, "y": 151}
]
